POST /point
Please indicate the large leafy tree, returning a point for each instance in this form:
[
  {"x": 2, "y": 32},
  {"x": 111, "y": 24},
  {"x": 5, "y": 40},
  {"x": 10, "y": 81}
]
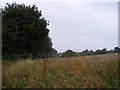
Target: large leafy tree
[{"x": 24, "y": 32}]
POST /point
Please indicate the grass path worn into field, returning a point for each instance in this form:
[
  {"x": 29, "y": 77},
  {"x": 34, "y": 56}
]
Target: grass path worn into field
[{"x": 100, "y": 71}]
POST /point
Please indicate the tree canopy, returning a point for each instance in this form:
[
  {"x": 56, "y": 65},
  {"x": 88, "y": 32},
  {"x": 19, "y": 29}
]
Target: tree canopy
[
  {"x": 24, "y": 32},
  {"x": 69, "y": 53}
]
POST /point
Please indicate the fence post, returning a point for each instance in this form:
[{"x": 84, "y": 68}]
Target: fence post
[{"x": 44, "y": 66}]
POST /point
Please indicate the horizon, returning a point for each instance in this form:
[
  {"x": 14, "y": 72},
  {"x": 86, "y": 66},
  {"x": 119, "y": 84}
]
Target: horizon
[{"x": 90, "y": 49}]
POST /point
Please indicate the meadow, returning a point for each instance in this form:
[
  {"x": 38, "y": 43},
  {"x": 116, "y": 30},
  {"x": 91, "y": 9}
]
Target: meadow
[{"x": 98, "y": 71}]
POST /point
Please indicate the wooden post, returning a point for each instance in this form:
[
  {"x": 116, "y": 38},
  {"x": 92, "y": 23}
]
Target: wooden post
[
  {"x": 44, "y": 64},
  {"x": 44, "y": 67}
]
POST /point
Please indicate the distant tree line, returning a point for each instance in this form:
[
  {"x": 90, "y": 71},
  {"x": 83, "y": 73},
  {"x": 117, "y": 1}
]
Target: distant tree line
[{"x": 70, "y": 53}]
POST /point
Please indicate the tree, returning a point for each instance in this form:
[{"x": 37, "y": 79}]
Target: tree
[
  {"x": 91, "y": 52},
  {"x": 54, "y": 53},
  {"x": 85, "y": 52},
  {"x": 25, "y": 32},
  {"x": 69, "y": 53},
  {"x": 116, "y": 50},
  {"x": 98, "y": 51},
  {"x": 103, "y": 51}
]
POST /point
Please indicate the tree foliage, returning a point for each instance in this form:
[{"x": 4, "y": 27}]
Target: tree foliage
[
  {"x": 69, "y": 53},
  {"x": 24, "y": 32},
  {"x": 116, "y": 50}
]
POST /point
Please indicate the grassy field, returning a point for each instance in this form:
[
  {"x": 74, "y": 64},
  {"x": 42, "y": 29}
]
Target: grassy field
[{"x": 100, "y": 71}]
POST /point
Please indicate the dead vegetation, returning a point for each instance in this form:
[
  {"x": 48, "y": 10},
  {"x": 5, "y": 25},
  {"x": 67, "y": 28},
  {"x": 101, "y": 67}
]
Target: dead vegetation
[{"x": 99, "y": 71}]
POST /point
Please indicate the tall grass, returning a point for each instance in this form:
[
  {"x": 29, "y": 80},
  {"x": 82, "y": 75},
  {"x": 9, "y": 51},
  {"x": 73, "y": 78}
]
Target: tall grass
[{"x": 100, "y": 71}]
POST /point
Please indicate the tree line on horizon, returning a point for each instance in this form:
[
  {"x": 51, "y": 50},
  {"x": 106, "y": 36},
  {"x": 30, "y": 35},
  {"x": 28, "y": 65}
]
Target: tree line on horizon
[{"x": 71, "y": 53}]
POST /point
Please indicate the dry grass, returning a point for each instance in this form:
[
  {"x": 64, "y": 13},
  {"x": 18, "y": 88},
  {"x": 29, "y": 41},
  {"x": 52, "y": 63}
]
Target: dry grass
[{"x": 100, "y": 71}]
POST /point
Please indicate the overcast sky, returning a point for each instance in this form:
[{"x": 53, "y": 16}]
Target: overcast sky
[{"x": 80, "y": 25}]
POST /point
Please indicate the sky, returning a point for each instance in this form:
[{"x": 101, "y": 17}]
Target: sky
[{"x": 80, "y": 25}]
